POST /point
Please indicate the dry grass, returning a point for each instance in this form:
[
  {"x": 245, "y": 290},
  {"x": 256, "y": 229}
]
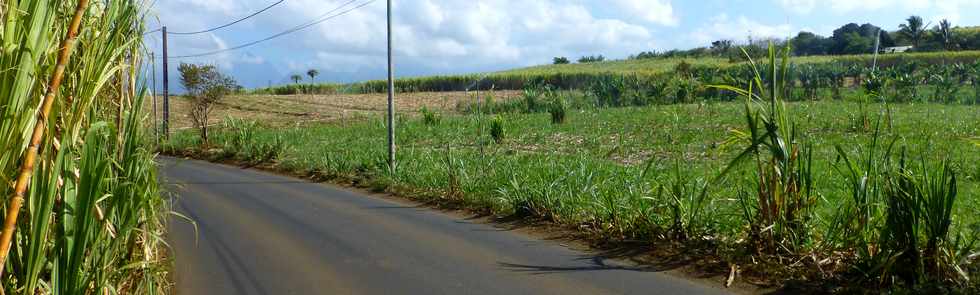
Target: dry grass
[{"x": 304, "y": 108}]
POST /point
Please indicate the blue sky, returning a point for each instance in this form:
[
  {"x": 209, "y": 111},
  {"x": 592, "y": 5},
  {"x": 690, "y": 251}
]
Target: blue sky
[{"x": 463, "y": 36}]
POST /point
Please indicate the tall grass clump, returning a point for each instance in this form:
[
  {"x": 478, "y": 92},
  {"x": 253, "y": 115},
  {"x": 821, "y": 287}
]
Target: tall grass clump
[
  {"x": 779, "y": 204},
  {"x": 906, "y": 225},
  {"x": 497, "y": 129},
  {"x": 429, "y": 117},
  {"x": 685, "y": 198},
  {"x": 558, "y": 108},
  {"x": 70, "y": 97}
]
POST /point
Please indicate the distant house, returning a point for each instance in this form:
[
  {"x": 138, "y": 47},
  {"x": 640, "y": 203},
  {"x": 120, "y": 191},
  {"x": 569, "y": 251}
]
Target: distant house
[{"x": 896, "y": 49}]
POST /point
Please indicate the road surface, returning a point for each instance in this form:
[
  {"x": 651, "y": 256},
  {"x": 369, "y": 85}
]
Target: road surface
[{"x": 259, "y": 233}]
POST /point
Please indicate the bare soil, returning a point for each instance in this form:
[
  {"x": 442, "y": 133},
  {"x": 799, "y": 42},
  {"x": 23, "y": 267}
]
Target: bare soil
[{"x": 305, "y": 108}]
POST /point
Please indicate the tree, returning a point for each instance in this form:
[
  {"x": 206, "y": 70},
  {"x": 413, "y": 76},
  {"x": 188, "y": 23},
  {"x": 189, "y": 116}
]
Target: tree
[
  {"x": 722, "y": 47},
  {"x": 589, "y": 59},
  {"x": 561, "y": 60},
  {"x": 856, "y": 44},
  {"x": 205, "y": 87},
  {"x": 296, "y": 78},
  {"x": 312, "y": 73},
  {"x": 857, "y": 39},
  {"x": 806, "y": 43},
  {"x": 913, "y": 30},
  {"x": 945, "y": 34}
]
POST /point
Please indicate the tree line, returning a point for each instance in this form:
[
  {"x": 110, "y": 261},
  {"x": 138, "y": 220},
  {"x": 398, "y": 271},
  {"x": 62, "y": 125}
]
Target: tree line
[{"x": 848, "y": 39}]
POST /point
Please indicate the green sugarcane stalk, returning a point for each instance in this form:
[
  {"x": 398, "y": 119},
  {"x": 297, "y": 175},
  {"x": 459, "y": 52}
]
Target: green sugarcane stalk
[{"x": 27, "y": 167}]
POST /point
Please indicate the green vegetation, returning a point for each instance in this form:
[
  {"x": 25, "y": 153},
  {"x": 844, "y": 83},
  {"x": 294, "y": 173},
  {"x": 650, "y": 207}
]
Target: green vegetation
[
  {"x": 205, "y": 87},
  {"x": 649, "y": 173},
  {"x": 703, "y": 70},
  {"x": 497, "y": 129},
  {"x": 591, "y": 59},
  {"x": 93, "y": 218}
]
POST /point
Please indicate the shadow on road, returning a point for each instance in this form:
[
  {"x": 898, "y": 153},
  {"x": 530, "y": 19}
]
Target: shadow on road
[{"x": 232, "y": 182}]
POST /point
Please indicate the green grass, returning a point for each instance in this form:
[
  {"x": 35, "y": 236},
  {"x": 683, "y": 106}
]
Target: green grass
[{"x": 612, "y": 170}]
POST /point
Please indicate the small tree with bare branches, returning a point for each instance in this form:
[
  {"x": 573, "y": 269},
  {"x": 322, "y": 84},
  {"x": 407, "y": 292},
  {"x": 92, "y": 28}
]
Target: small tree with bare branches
[{"x": 205, "y": 86}]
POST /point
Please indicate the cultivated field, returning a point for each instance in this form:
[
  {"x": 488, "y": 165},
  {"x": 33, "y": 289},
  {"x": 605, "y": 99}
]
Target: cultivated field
[
  {"x": 863, "y": 171},
  {"x": 303, "y": 108}
]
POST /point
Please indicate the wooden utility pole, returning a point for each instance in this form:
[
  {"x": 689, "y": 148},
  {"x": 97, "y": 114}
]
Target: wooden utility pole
[
  {"x": 166, "y": 88},
  {"x": 391, "y": 99}
]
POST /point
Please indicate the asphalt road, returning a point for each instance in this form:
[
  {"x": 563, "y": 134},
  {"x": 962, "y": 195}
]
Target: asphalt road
[{"x": 259, "y": 233}]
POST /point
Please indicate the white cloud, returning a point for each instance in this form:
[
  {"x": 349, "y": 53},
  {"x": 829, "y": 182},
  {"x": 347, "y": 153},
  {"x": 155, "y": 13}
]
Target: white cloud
[
  {"x": 857, "y": 6},
  {"x": 799, "y": 6},
  {"x": 480, "y": 33},
  {"x": 437, "y": 35},
  {"x": 723, "y": 27},
  {"x": 654, "y": 11}
]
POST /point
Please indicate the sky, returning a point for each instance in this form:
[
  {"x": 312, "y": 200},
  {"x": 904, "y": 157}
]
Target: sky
[{"x": 436, "y": 37}]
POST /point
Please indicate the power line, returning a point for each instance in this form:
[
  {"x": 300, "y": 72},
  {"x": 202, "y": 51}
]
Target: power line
[
  {"x": 228, "y": 24},
  {"x": 323, "y": 17}
]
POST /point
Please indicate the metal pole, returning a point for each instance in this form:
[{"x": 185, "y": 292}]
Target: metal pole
[
  {"x": 391, "y": 99},
  {"x": 874, "y": 66},
  {"x": 166, "y": 88},
  {"x": 156, "y": 128}
]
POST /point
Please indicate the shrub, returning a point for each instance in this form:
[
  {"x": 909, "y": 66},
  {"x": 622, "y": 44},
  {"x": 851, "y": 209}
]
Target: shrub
[{"x": 561, "y": 60}]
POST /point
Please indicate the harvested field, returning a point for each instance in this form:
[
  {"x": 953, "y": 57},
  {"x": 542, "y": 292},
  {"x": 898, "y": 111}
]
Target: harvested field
[{"x": 305, "y": 108}]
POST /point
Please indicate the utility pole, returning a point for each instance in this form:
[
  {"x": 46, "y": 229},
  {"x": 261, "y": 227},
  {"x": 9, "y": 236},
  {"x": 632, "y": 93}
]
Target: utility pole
[
  {"x": 391, "y": 99},
  {"x": 166, "y": 88},
  {"x": 874, "y": 66}
]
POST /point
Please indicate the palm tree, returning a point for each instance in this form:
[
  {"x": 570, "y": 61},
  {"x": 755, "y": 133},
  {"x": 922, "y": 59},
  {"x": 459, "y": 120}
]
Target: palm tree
[
  {"x": 913, "y": 30},
  {"x": 312, "y": 73},
  {"x": 945, "y": 33},
  {"x": 296, "y": 78}
]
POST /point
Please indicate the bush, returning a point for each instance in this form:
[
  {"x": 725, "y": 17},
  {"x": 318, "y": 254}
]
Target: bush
[{"x": 561, "y": 60}]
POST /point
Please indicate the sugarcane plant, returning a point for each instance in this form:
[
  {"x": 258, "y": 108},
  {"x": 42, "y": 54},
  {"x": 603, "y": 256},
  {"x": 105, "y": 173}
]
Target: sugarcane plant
[
  {"x": 945, "y": 84},
  {"x": 779, "y": 205},
  {"x": 72, "y": 135},
  {"x": 975, "y": 80}
]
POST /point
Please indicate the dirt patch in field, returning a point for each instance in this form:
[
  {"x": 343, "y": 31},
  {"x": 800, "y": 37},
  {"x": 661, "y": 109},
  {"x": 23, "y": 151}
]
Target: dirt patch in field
[{"x": 304, "y": 108}]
